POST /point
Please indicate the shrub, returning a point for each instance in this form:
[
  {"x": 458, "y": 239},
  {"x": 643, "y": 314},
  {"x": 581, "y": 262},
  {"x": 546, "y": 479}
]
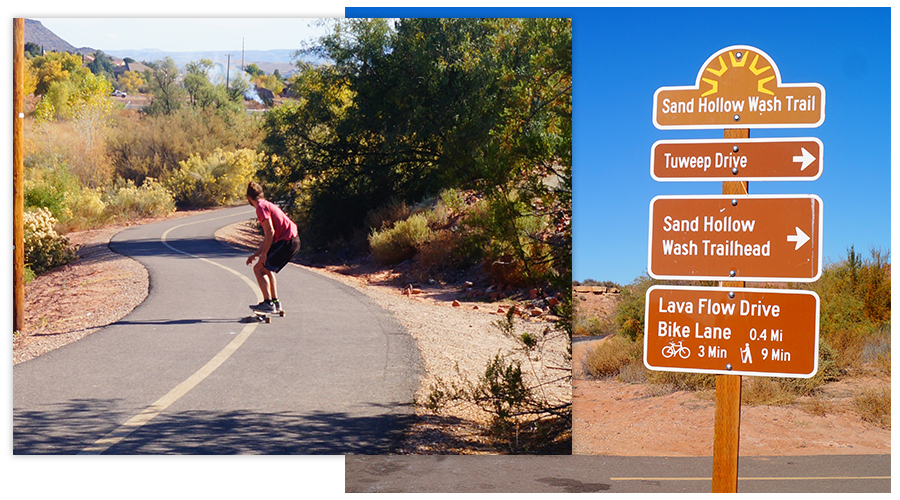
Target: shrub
[
  {"x": 399, "y": 243},
  {"x": 218, "y": 179},
  {"x": 149, "y": 146},
  {"x": 126, "y": 201},
  {"x": 855, "y": 299},
  {"x": 51, "y": 185},
  {"x": 677, "y": 381},
  {"x": 44, "y": 247},
  {"x": 47, "y": 182},
  {"x": 874, "y": 405},
  {"x": 611, "y": 356}
]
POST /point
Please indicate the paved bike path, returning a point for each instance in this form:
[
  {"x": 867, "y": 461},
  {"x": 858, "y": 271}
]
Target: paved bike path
[{"x": 182, "y": 374}]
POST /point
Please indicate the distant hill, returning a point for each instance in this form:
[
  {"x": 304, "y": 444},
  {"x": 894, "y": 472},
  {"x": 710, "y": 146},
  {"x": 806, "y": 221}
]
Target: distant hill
[
  {"x": 267, "y": 60},
  {"x": 36, "y": 33}
]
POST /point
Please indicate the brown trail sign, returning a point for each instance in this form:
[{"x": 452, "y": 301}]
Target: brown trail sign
[
  {"x": 736, "y": 237},
  {"x": 782, "y": 159},
  {"x": 739, "y": 87},
  {"x": 734, "y": 331}
]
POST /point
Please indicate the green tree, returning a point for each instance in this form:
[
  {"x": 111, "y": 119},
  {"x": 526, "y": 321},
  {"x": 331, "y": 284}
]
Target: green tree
[
  {"x": 409, "y": 109},
  {"x": 201, "y": 90},
  {"x": 168, "y": 95},
  {"x": 101, "y": 65},
  {"x": 253, "y": 70},
  {"x": 32, "y": 50}
]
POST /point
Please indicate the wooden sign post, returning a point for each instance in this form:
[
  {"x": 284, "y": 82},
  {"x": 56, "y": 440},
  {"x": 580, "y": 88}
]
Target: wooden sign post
[
  {"x": 18, "y": 174},
  {"x": 727, "y": 427}
]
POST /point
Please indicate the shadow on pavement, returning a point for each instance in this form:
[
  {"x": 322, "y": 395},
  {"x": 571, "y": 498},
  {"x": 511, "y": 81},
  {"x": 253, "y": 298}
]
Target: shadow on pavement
[{"x": 71, "y": 427}]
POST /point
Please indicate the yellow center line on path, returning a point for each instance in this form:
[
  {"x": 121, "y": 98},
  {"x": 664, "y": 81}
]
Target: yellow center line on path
[
  {"x": 814, "y": 478},
  {"x": 183, "y": 388}
]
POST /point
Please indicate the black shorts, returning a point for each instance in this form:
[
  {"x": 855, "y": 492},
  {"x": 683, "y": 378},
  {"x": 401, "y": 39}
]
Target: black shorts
[{"x": 280, "y": 253}]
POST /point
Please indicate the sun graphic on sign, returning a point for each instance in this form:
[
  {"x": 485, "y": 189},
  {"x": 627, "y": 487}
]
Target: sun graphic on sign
[{"x": 737, "y": 59}]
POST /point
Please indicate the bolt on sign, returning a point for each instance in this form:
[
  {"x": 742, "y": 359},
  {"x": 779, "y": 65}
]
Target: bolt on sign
[
  {"x": 734, "y": 331},
  {"x": 739, "y": 87},
  {"x": 736, "y": 237},
  {"x": 781, "y": 159}
]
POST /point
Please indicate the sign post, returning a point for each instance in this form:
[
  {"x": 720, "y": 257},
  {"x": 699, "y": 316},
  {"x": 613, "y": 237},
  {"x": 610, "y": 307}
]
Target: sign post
[
  {"x": 18, "y": 174},
  {"x": 735, "y": 237},
  {"x": 727, "y": 424}
]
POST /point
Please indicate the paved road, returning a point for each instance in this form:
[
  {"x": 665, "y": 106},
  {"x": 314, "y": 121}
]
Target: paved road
[
  {"x": 182, "y": 375},
  {"x": 599, "y": 474}
]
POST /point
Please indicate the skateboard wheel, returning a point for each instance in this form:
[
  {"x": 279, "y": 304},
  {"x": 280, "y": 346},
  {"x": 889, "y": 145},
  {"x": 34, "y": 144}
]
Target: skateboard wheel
[
  {"x": 268, "y": 319},
  {"x": 281, "y": 313}
]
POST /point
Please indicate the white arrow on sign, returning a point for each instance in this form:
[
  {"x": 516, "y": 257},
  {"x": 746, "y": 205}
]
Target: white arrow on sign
[
  {"x": 800, "y": 238},
  {"x": 806, "y": 158}
]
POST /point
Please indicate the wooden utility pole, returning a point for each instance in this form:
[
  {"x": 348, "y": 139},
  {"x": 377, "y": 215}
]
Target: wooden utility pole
[
  {"x": 18, "y": 174},
  {"x": 727, "y": 431},
  {"x": 227, "y": 70}
]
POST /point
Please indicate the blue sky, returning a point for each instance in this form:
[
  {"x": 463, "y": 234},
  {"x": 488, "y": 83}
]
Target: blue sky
[{"x": 622, "y": 55}]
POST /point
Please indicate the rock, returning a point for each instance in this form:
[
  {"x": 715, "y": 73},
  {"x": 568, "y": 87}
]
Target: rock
[{"x": 456, "y": 303}]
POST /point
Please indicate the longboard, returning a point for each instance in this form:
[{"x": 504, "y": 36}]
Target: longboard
[{"x": 265, "y": 317}]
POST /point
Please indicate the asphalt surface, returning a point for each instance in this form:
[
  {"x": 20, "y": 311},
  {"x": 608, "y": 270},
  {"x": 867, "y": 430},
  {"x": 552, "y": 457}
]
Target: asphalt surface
[
  {"x": 606, "y": 474},
  {"x": 182, "y": 374}
]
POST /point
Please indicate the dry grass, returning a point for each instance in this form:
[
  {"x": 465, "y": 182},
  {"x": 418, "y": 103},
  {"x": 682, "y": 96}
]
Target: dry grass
[
  {"x": 757, "y": 391},
  {"x": 611, "y": 356},
  {"x": 874, "y": 406}
]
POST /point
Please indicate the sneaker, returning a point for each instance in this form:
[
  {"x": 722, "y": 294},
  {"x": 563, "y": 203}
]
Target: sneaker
[
  {"x": 265, "y": 307},
  {"x": 277, "y": 304}
]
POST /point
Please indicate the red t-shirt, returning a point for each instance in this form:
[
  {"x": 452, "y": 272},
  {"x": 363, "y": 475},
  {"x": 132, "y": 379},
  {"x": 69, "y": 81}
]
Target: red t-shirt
[{"x": 285, "y": 229}]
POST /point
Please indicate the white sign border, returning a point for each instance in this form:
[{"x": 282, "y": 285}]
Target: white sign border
[
  {"x": 732, "y": 372},
  {"x": 819, "y": 245},
  {"x": 733, "y": 178}
]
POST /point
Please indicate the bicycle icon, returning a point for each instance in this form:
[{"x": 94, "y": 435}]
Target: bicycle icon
[{"x": 676, "y": 349}]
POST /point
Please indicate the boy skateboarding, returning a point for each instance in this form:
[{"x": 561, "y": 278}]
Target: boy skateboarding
[{"x": 280, "y": 245}]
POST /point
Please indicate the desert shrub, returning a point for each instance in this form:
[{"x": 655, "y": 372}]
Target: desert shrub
[
  {"x": 387, "y": 215},
  {"x": 47, "y": 181},
  {"x": 874, "y": 405},
  {"x": 586, "y": 326},
  {"x": 611, "y": 356},
  {"x": 50, "y": 184},
  {"x": 756, "y": 391},
  {"x": 44, "y": 247},
  {"x": 218, "y": 179},
  {"x": 84, "y": 209},
  {"x": 828, "y": 371},
  {"x": 629, "y": 313},
  {"x": 855, "y": 296},
  {"x": 153, "y": 146},
  {"x": 399, "y": 242},
  {"x": 677, "y": 381},
  {"x": 126, "y": 201}
]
